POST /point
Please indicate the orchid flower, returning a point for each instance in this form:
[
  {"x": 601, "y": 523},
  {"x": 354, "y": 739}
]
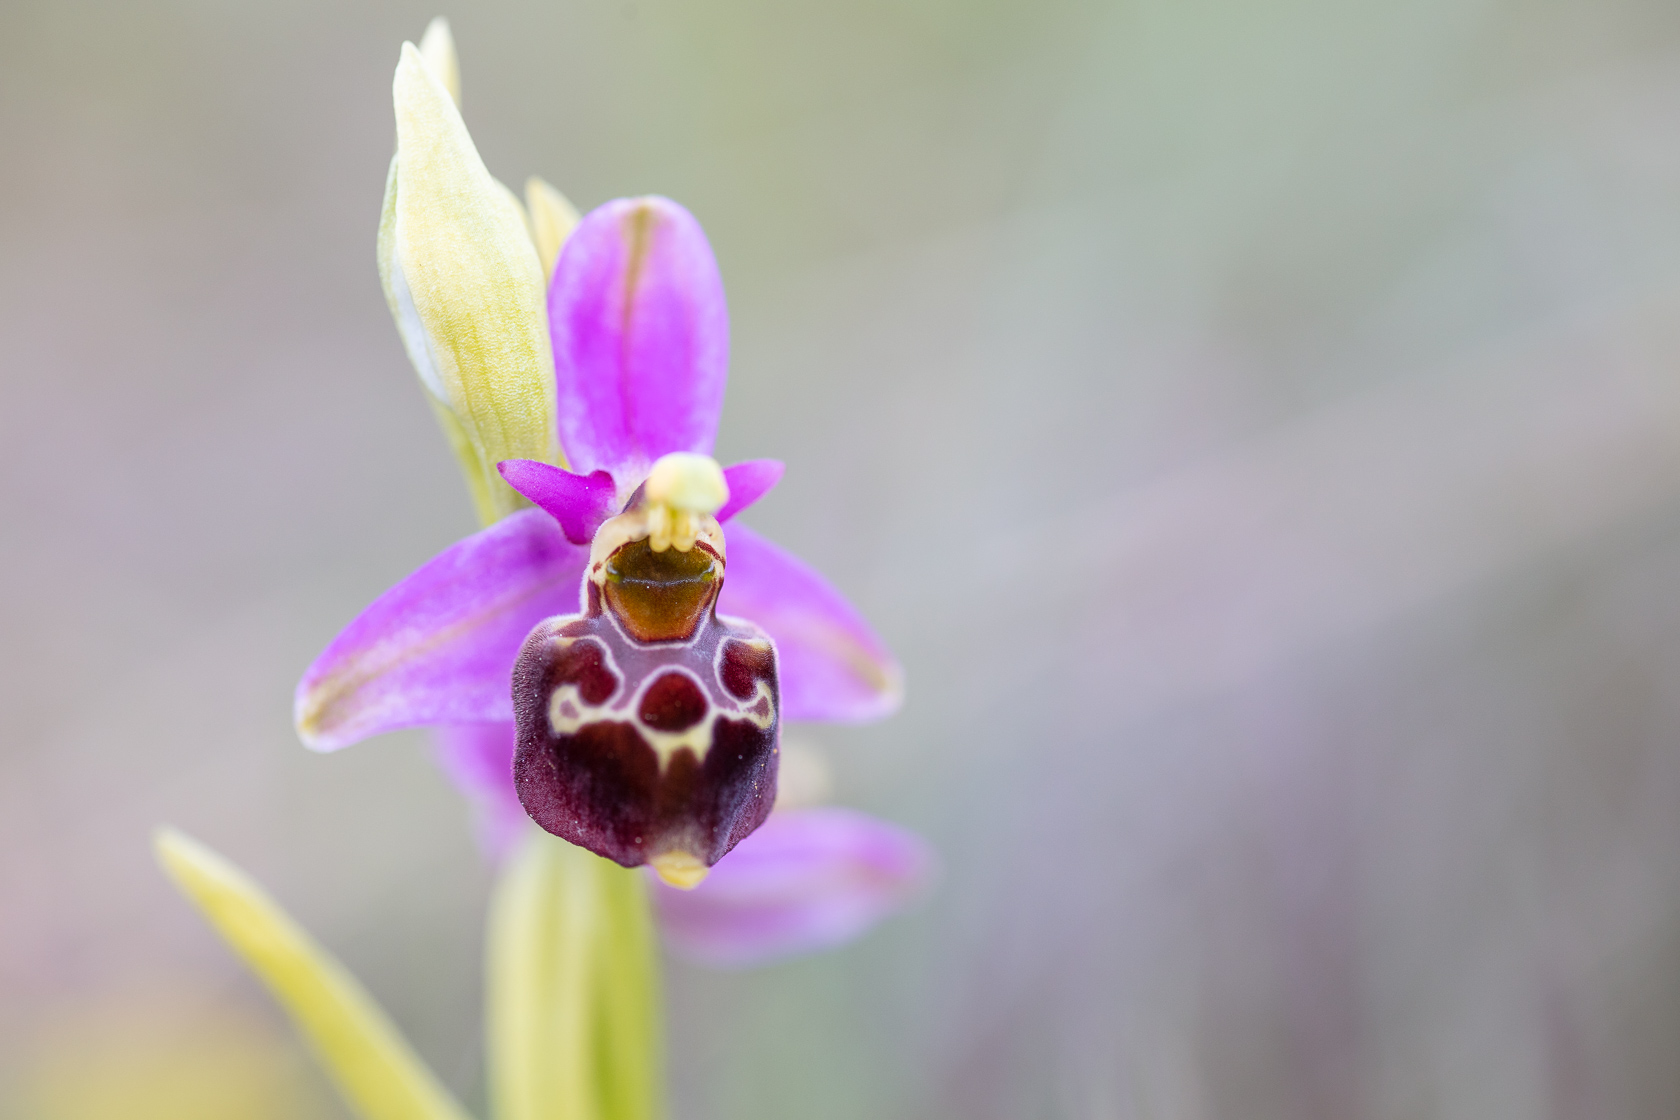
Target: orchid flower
[
  {"x": 604, "y": 656},
  {"x": 664, "y": 642}
]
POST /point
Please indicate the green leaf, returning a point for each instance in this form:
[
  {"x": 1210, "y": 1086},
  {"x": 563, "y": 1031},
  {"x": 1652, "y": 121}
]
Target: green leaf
[
  {"x": 573, "y": 1022},
  {"x": 378, "y": 1073}
]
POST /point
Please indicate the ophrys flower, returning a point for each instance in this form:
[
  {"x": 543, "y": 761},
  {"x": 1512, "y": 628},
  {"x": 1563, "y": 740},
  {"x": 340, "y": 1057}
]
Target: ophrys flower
[
  {"x": 651, "y": 688},
  {"x": 638, "y": 327}
]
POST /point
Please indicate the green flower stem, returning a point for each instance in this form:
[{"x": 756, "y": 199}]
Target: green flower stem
[{"x": 574, "y": 1028}]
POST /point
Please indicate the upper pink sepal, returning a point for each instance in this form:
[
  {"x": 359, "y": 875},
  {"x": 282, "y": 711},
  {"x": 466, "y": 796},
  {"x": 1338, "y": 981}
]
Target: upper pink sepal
[
  {"x": 579, "y": 502},
  {"x": 808, "y": 879},
  {"x": 834, "y": 667},
  {"x": 439, "y": 647},
  {"x": 748, "y": 482},
  {"x": 641, "y": 337}
]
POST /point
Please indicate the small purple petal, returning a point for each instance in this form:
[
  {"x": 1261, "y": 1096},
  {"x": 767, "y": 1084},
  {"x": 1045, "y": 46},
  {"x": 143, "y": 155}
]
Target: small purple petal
[
  {"x": 580, "y": 502},
  {"x": 478, "y": 759},
  {"x": 748, "y": 482},
  {"x": 439, "y": 647},
  {"x": 641, "y": 337},
  {"x": 834, "y": 667},
  {"x": 808, "y": 879}
]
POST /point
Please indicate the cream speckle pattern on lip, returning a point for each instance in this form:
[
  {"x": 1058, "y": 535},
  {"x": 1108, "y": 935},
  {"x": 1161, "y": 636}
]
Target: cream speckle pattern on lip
[{"x": 641, "y": 750}]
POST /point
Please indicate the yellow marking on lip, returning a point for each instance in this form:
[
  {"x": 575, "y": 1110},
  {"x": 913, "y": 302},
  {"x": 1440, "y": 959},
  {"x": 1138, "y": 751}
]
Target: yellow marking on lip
[
  {"x": 679, "y": 869},
  {"x": 761, "y": 712}
]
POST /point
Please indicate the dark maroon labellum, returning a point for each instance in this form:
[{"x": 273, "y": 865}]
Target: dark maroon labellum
[{"x": 648, "y": 725}]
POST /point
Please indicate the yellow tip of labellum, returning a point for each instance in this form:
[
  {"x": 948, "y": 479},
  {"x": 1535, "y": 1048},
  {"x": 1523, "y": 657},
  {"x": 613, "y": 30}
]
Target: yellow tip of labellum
[{"x": 679, "y": 869}]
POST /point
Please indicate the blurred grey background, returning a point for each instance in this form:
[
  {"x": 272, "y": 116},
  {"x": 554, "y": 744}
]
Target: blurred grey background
[{"x": 1255, "y": 425}]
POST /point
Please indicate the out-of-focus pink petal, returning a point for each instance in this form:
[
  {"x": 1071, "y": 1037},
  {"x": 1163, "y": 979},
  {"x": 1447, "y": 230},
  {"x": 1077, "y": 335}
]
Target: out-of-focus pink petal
[
  {"x": 748, "y": 482},
  {"x": 478, "y": 758},
  {"x": 580, "y": 502},
  {"x": 834, "y": 667},
  {"x": 439, "y": 647},
  {"x": 641, "y": 337},
  {"x": 808, "y": 879}
]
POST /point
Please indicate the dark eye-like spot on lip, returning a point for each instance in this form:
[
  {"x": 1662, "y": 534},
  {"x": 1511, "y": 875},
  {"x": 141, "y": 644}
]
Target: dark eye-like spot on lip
[
  {"x": 585, "y": 665},
  {"x": 673, "y": 703},
  {"x": 744, "y": 665}
]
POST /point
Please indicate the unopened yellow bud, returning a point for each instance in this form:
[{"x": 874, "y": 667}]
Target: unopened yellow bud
[{"x": 466, "y": 288}]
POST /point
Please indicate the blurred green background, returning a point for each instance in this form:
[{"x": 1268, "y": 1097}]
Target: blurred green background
[{"x": 1255, "y": 425}]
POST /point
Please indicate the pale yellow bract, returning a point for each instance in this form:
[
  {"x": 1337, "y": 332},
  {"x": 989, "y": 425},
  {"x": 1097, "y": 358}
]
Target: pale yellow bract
[{"x": 466, "y": 287}]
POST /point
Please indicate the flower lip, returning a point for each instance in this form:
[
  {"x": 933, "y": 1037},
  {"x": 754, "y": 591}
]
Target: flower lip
[{"x": 654, "y": 766}]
